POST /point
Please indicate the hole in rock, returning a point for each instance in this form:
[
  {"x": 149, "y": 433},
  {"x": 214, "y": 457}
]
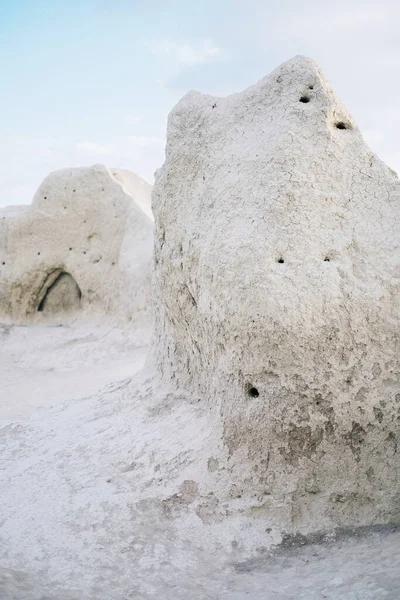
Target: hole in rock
[
  {"x": 341, "y": 125},
  {"x": 281, "y": 261},
  {"x": 310, "y": 87},
  {"x": 253, "y": 392},
  {"x": 305, "y": 99},
  {"x": 61, "y": 296}
]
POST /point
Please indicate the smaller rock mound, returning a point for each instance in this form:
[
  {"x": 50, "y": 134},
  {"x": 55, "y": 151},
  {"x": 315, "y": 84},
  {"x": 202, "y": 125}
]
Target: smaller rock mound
[{"x": 82, "y": 249}]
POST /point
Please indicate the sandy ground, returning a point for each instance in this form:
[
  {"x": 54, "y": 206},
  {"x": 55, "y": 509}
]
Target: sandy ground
[{"x": 80, "y": 514}]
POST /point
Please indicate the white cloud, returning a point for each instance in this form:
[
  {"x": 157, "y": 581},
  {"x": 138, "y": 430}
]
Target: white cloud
[
  {"x": 187, "y": 55},
  {"x": 143, "y": 140},
  {"x": 132, "y": 120},
  {"x": 118, "y": 144},
  {"x": 95, "y": 148}
]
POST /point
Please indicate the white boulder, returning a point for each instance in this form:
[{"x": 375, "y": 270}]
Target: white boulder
[
  {"x": 277, "y": 285},
  {"x": 82, "y": 249}
]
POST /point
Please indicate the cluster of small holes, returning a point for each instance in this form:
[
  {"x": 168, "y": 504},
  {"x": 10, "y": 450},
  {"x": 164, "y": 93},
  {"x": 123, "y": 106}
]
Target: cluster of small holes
[
  {"x": 281, "y": 261},
  {"x": 305, "y": 99}
]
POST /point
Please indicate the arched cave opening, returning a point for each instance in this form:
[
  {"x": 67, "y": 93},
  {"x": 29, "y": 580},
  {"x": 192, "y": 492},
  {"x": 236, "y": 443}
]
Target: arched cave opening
[{"x": 62, "y": 295}]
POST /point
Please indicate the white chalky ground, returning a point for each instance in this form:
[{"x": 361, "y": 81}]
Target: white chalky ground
[{"x": 80, "y": 515}]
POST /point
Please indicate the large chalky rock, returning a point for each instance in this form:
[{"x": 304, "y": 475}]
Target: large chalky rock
[
  {"x": 277, "y": 299},
  {"x": 82, "y": 249}
]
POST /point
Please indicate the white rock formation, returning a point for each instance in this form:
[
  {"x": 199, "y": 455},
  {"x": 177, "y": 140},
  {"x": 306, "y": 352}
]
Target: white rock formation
[
  {"x": 269, "y": 401},
  {"x": 277, "y": 282},
  {"x": 83, "y": 248}
]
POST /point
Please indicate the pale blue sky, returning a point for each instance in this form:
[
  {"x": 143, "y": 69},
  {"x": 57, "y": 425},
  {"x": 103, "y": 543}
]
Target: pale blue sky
[{"x": 92, "y": 81}]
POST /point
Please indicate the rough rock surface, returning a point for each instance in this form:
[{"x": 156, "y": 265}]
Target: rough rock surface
[
  {"x": 277, "y": 283},
  {"x": 83, "y": 248}
]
